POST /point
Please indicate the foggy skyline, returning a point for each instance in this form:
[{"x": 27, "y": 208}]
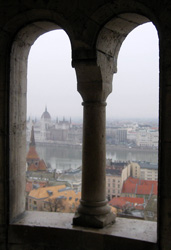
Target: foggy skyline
[{"x": 52, "y": 81}]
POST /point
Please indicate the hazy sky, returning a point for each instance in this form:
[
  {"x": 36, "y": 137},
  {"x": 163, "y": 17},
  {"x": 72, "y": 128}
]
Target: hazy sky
[{"x": 52, "y": 81}]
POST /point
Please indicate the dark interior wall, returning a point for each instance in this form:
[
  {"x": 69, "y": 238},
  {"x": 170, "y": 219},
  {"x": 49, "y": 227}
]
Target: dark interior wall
[{"x": 84, "y": 22}]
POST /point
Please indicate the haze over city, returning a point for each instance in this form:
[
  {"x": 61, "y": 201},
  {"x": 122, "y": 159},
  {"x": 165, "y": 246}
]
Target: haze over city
[
  {"x": 131, "y": 150},
  {"x": 52, "y": 81}
]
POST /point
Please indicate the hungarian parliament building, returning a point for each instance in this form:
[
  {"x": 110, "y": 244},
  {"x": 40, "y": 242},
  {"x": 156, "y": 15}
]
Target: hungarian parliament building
[{"x": 47, "y": 130}]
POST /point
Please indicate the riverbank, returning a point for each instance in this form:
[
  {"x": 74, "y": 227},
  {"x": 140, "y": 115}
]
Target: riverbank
[
  {"x": 108, "y": 147},
  {"x": 131, "y": 149}
]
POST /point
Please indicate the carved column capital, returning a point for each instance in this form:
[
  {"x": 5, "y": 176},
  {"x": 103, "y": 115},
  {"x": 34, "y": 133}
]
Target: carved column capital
[{"x": 90, "y": 82}]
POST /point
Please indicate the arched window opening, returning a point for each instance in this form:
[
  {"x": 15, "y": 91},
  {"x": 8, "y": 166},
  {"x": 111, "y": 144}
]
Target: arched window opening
[
  {"x": 54, "y": 127},
  {"x": 13, "y": 124},
  {"x": 19, "y": 160},
  {"x": 132, "y": 127},
  {"x": 18, "y": 111}
]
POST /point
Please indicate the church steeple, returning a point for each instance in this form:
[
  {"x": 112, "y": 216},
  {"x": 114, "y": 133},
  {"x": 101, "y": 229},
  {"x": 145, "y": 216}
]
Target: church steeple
[
  {"x": 32, "y": 139},
  {"x": 33, "y": 161},
  {"x": 32, "y": 155}
]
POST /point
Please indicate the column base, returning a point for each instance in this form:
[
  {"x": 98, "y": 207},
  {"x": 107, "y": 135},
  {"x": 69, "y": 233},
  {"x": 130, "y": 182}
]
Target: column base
[{"x": 95, "y": 221}]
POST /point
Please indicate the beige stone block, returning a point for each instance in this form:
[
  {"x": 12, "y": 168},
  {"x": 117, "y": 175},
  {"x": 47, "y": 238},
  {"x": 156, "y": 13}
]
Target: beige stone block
[
  {"x": 4, "y": 39},
  {"x": 165, "y": 171},
  {"x": 165, "y": 58},
  {"x": 166, "y": 114},
  {"x": 2, "y": 215},
  {"x": 2, "y": 246},
  {"x": 92, "y": 242},
  {"x": 167, "y": 102},
  {"x": 165, "y": 222},
  {"x": 101, "y": 14},
  {"x": 2, "y": 234},
  {"x": 166, "y": 135}
]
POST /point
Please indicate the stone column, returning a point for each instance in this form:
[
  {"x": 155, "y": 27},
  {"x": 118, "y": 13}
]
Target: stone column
[
  {"x": 93, "y": 210},
  {"x": 94, "y": 154}
]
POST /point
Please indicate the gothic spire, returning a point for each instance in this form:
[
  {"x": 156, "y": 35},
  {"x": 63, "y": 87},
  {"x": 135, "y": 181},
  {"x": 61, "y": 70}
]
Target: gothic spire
[{"x": 32, "y": 139}]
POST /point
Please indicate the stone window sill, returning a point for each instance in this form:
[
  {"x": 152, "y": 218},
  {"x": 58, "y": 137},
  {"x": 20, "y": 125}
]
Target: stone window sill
[{"x": 145, "y": 231}]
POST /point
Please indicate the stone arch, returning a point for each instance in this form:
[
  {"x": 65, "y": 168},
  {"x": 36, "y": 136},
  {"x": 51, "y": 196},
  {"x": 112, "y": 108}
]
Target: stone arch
[
  {"x": 106, "y": 13},
  {"x": 101, "y": 39},
  {"x": 17, "y": 110},
  {"x": 24, "y": 19},
  {"x": 109, "y": 42},
  {"x": 94, "y": 77}
]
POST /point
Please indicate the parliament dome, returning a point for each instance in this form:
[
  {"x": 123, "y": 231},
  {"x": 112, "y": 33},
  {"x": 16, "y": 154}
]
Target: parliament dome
[{"x": 46, "y": 115}]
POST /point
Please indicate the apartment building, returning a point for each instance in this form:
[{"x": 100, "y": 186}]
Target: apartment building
[{"x": 148, "y": 171}]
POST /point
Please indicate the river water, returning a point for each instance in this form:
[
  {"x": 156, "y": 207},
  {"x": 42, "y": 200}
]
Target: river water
[{"x": 65, "y": 157}]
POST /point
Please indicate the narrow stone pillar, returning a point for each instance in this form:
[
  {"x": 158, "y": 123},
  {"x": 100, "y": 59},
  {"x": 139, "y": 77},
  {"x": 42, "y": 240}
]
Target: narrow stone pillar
[{"x": 93, "y": 210}]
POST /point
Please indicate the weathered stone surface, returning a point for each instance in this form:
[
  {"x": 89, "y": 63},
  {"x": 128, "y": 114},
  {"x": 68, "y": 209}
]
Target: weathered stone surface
[
  {"x": 90, "y": 26},
  {"x": 94, "y": 221},
  {"x": 67, "y": 236}
]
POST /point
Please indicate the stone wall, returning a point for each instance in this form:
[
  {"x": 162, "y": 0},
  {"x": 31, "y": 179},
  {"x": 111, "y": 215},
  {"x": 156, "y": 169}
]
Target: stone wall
[{"x": 96, "y": 30}]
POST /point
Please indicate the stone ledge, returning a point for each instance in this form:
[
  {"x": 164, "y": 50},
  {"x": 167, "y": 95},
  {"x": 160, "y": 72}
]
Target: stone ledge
[{"x": 125, "y": 228}]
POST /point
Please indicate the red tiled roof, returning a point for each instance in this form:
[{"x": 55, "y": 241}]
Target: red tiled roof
[
  {"x": 42, "y": 165},
  {"x": 139, "y": 207},
  {"x": 32, "y": 167},
  {"x": 122, "y": 201},
  {"x": 137, "y": 186},
  {"x": 29, "y": 184}
]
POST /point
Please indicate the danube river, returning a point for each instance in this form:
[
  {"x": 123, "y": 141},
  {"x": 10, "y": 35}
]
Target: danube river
[{"x": 68, "y": 156}]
